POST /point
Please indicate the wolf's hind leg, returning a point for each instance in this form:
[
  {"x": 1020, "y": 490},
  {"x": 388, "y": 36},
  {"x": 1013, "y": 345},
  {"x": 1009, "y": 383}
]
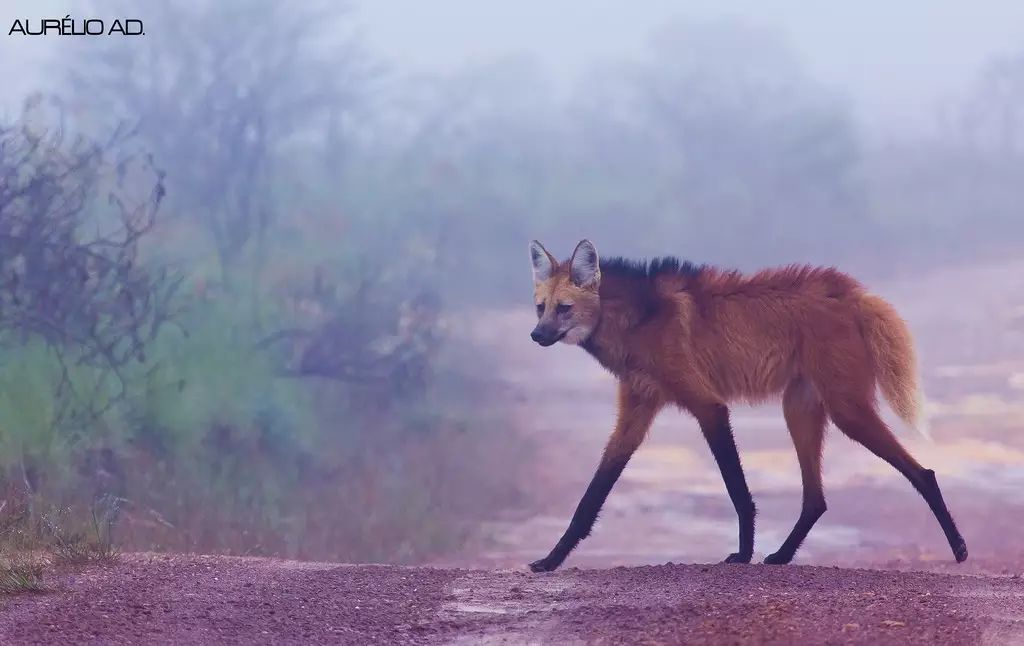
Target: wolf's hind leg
[
  {"x": 805, "y": 417},
  {"x": 859, "y": 420}
]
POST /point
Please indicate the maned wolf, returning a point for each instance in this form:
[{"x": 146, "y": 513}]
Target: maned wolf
[{"x": 698, "y": 338}]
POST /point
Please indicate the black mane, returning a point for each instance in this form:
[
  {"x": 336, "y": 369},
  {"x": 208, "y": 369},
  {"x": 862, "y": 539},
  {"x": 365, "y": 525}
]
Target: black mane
[
  {"x": 650, "y": 269},
  {"x": 634, "y": 282}
]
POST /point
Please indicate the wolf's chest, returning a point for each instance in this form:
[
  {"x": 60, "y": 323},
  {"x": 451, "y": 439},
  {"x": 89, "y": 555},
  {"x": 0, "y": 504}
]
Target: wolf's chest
[{"x": 627, "y": 368}]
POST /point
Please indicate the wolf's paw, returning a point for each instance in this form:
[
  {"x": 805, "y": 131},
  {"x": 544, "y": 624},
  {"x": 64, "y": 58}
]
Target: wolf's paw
[
  {"x": 736, "y": 557},
  {"x": 960, "y": 551},
  {"x": 543, "y": 565},
  {"x": 778, "y": 559}
]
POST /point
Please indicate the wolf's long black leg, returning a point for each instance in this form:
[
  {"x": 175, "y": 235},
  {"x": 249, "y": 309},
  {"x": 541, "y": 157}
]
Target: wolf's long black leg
[
  {"x": 635, "y": 416},
  {"x": 586, "y": 513},
  {"x": 714, "y": 424}
]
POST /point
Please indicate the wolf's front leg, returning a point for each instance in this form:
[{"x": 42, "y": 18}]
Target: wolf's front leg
[
  {"x": 636, "y": 412},
  {"x": 714, "y": 424},
  {"x": 586, "y": 513}
]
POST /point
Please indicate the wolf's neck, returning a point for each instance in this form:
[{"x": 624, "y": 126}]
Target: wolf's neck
[{"x": 608, "y": 342}]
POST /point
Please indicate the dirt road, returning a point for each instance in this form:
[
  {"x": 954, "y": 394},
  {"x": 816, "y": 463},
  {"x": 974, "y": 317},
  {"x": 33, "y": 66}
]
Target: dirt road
[{"x": 196, "y": 600}]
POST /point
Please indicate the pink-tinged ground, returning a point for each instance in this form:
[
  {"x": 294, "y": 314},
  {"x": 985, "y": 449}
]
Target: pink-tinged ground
[{"x": 160, "y": 599}]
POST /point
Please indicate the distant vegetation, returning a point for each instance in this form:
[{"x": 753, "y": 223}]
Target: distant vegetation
[{"x": 235, "y": 263}]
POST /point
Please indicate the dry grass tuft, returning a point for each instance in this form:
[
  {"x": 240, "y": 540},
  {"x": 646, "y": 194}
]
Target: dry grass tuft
[{"x": 32, "y": 538}]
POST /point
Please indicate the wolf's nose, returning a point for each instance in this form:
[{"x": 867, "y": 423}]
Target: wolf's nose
[{"x": 536, "y": 336}]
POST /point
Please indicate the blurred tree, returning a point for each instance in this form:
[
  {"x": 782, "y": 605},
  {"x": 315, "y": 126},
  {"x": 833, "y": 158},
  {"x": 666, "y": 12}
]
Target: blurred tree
[
  {"x": 992, "y": 117},
  {"x": 723, "y": 132},
  {"x": 78, "y": 312},
  {"x": 953, "y": 196},
  {"x": 474, "y": 171},
  {"x": 83, "y": 294},
  {"x": 219, "y": 88}
]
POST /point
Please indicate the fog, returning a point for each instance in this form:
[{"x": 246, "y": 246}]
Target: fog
[
  {"x": 265, "y": 285},
  {"x": 898, "y": 64}
]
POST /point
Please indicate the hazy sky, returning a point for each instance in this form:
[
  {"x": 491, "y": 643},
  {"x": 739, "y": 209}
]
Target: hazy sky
[{"x": 895, "y": 60}]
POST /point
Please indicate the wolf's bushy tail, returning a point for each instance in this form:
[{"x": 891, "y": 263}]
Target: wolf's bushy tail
[{"x": 892, "y": 350}]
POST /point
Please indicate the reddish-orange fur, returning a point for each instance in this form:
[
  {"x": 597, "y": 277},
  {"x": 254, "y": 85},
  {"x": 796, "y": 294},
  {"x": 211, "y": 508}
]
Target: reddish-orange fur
[{"x": 700, "y": 338}]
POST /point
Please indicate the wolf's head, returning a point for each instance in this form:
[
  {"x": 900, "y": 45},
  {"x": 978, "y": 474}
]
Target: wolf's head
[{"x": 566, "y": 294}]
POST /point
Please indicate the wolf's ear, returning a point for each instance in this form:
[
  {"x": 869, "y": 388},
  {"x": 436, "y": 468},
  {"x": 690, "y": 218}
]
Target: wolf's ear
[
  {"x": 543, "y": 263},
  {"x": 584, "y": 268}
]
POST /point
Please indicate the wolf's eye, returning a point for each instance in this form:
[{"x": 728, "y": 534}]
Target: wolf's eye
[
  {"x": 562, "y": 308},
  {"x": 540, "y": 309}
]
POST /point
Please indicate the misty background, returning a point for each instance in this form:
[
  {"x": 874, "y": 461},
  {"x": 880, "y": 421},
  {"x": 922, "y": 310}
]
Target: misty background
[{"x": 263, "y": 267}]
